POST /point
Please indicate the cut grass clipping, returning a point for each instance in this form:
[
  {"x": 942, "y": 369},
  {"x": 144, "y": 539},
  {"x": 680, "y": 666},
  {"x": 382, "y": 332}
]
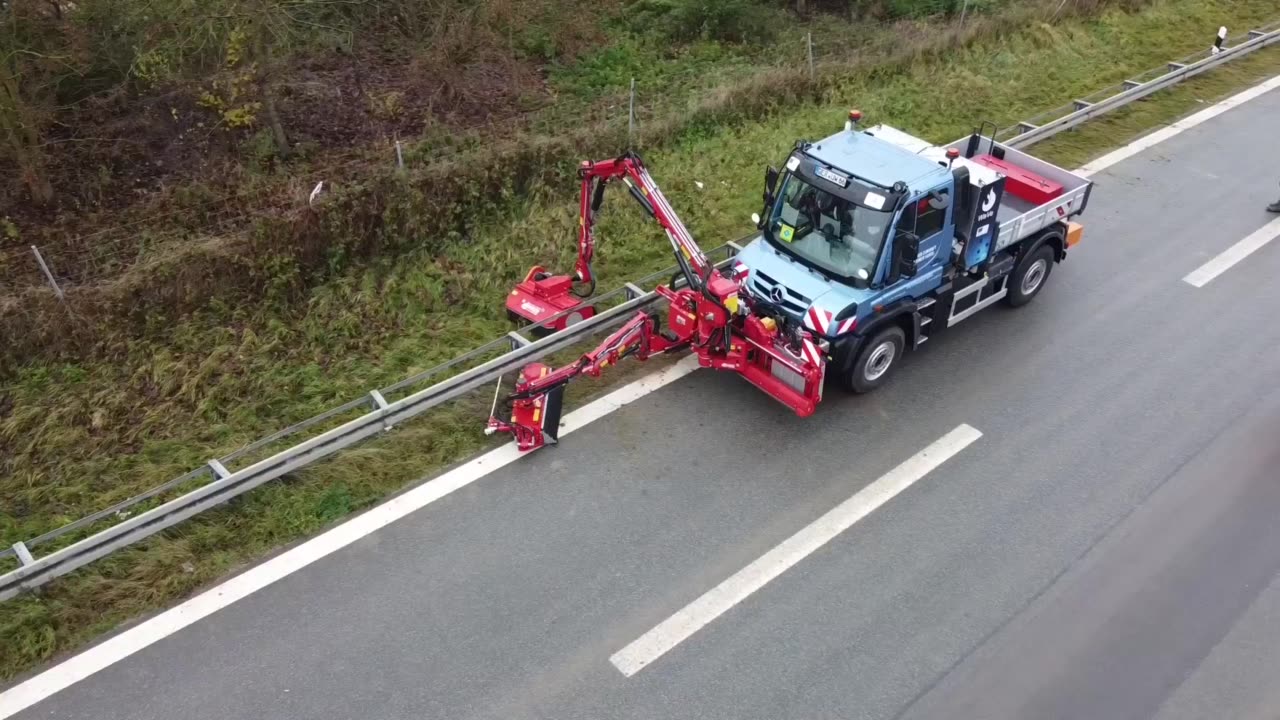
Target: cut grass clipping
[{"x": 90, "y": 434}]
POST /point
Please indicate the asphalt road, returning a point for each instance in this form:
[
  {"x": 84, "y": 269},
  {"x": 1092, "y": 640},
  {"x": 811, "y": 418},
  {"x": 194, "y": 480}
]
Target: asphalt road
[{"x": 1109, "y": 548}]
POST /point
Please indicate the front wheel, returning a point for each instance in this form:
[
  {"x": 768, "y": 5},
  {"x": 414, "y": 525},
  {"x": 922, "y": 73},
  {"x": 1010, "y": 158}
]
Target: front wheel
[
  {"x": 1026, "y": 280},
  {"x": 876, "y": 360}
]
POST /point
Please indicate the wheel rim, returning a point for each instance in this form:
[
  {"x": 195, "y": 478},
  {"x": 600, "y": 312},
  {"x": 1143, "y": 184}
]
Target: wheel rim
[
  {"x": 1033, "y": 277},
  {"x": 880, "y": 360}
]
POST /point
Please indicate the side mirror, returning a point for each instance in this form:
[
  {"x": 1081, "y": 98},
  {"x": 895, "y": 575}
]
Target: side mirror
[
  {"x": 938, "y": 201},
  {"x": 770, "y": 187},
  {"x": 908, "y": 249},
  {"x": 770, "y": 181}
]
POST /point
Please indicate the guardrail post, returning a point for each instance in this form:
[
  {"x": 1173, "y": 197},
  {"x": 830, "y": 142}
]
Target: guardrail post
[
  {"x": 219, "y": 470},
  {"x": 1024, "y": 127},
  {"x": 24, "y": 555},
  {"x": 1081, "y": 104},
  {"x": 1176, "y": 66},
  {"x": 633, "y": 291},
  {"x": 517, "y": 340},
  {"x": 1255, "y": 34},
  {"x": 382, "y": 404},
  {"x": 1131, "y": 84}
]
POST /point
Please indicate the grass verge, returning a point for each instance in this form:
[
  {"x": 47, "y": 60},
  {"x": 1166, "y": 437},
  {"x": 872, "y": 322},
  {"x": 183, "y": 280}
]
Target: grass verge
[{"x": 231, "y": 374}]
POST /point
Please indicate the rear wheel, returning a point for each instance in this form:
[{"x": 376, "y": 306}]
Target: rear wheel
[
  {"x": 1028, "y": 278},
  {"x": 876, "y": 361}
]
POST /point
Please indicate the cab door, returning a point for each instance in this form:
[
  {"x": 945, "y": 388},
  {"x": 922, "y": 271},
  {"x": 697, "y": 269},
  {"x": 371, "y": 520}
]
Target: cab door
[{"x": 920, "y": 246}]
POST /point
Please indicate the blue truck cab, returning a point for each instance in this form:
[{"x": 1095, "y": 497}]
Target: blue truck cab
[{"x": 873, "y": 239}]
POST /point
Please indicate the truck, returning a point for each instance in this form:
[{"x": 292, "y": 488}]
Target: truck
[
  {"x": 877, "y": 240},
  {"x": 870, "y": 242}
]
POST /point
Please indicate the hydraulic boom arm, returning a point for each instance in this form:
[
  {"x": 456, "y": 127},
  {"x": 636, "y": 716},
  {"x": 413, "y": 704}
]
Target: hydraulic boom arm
[
  {"x": 535, "y": 404},
  {"x": 631, "y": 171},
  {"x": 542, "y": 295}
]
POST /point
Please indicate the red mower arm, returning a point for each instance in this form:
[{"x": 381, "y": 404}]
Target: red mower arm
[
  {"x": 631, "y": 171},
  {"x": 537, "y": 400},
  {"x": 636, "y": 337},
  {"x": 556, "y": 301}
]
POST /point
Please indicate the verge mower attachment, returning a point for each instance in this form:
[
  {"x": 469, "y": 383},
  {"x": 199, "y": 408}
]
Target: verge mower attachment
[{"x": 712, "y": 315}]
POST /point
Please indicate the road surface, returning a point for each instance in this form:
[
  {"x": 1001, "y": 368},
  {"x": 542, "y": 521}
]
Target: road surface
[{"x": 1109, "y": 547}]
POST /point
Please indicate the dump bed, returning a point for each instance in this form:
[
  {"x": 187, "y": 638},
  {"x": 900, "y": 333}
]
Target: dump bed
[{"x": 1020, "y": 218}]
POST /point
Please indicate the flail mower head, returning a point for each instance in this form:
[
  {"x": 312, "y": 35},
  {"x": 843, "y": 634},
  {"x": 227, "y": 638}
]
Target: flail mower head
[
  {"x": 541, "y": 296},
  {"x": 535, "y": 416}
]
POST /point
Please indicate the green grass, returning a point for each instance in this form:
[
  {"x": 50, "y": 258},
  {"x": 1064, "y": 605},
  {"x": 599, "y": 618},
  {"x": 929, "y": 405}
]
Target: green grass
[
  {"x": 1075, "y": 148},
  {"x": 84, "y": 435}
]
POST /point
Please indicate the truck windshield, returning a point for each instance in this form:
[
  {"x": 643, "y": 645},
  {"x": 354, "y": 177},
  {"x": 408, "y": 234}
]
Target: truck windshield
[{"x": 830, "y": 232}]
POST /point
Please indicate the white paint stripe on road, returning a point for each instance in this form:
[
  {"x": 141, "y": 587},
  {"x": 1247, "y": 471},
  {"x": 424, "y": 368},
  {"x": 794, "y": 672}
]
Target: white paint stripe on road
[
  {"x": 121, "y": 646},
  {"x": 127, "y": 643},
  {"x": 1159, "y": 136},
  {"x": 715, "y": 602},
  {"x": 1202, "y": 275}
]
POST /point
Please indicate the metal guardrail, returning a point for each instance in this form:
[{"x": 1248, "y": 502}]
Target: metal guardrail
[
  {"x": 220, "y": 484},
  {"x": 223, "y": 485},
  {"x": 1083, "y": 109}
]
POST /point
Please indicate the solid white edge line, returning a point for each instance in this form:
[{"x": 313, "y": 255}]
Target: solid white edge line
[
  {"x": 1226, "y": 259},
  {"x": 121, "y": 646},
  {"x": 116, "y": 648},
  {"x": 720, "y": 599},
  {"x": 1159, "y": 136}
]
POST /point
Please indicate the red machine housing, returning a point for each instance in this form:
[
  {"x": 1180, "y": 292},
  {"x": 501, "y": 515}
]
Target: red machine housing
[
  {"x": 542, "y": 295},
  {"x": 1022, "y": 183}
]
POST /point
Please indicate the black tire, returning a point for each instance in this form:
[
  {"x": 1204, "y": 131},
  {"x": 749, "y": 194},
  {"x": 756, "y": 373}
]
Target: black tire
[
  {"x": 876, "y": 361},
  {"x": 1028, "y": 278}
]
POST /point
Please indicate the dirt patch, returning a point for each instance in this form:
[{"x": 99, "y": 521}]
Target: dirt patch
[{"x": 165, "y": 161}]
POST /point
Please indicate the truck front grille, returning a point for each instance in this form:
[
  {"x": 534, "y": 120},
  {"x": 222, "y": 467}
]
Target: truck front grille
[{"x": 792, "y": 301}]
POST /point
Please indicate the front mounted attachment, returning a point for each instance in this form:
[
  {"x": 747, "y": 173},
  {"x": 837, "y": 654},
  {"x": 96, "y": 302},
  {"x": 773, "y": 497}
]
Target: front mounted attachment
[{"x": 785, "y": 361}]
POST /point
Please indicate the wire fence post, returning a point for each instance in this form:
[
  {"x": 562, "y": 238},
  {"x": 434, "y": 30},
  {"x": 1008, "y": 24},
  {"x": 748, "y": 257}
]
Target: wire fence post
[
  {"x": 809, "y": 44},
  {"x": 48, "y": 275},
  {"x": 399, "y": 156},
  {"x": 964, "y": 10},
  {"x": 631, "y": 115}
]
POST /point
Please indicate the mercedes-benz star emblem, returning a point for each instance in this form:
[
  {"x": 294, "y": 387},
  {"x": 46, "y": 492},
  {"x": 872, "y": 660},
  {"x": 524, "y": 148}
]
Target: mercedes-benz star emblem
[{"x": 776, "y": 294}]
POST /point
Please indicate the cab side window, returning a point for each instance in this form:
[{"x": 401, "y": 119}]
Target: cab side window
[
  {"x": 928, "y": 220},
  {"x": 907, "y": 221}
]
